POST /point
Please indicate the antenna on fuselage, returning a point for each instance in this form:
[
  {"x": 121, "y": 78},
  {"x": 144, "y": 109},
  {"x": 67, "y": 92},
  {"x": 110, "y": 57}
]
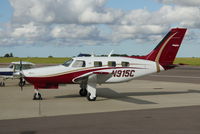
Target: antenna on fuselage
[
  {"x": 92, "y": 55},
  {"x": 110, "y": 54}
]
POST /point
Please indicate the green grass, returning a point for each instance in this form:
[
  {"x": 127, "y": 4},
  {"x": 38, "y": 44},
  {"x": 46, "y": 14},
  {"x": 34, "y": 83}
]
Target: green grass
[
  {"x": 35, "y": 60},
  {"x": 189, "y": 61}
]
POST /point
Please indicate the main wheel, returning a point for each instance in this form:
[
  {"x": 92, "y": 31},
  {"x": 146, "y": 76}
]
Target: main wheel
[
  {"x": 37, "y": 96},
  {"x": 90, "y": 98},
  {"x": 83, "y": 92}
]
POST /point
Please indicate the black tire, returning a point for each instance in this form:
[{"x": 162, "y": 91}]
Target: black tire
[
  {"x": 37, "y": 96},
  {"x": 88, "y": 97},
  {"x": 83, "y": 92}
]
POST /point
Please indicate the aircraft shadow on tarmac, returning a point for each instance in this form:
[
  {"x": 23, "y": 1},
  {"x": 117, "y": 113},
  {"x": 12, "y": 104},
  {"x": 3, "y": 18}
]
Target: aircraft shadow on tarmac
[{"x": 107, "y": 93}]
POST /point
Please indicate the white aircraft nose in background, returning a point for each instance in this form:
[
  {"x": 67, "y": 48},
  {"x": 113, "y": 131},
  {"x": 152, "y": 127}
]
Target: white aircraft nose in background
[{"x": 12, "y": 71}]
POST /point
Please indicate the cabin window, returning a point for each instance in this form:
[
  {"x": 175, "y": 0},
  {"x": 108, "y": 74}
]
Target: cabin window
[
  {"x": 68, "y": 63},
  {"x": 111, "y": 63},
  {"x": 97, "y": 64},
  {"x": 125, "y": 64},
  {"x": 17, "y": 67},
  {"x": 79, "y": 63},
  {"x": 24, "y": 66}
]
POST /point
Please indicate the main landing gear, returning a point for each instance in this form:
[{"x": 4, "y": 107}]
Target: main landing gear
[
  {"x": 89, "y": 88},
  {"x": 83, "y": 92},
  {"x": 37, "y": 95},
  {"x": 2, "y": 84}
]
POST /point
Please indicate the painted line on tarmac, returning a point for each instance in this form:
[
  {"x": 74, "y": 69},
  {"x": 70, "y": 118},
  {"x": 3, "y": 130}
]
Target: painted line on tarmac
[{"x": 186, "y": 77}]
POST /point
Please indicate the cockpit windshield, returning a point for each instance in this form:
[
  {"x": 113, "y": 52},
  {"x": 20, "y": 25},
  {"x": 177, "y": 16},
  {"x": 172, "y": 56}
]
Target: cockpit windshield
[{"x": 68, "y": 63}]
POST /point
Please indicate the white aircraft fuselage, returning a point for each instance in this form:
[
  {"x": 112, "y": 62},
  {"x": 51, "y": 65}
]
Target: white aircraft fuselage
[
  {"x": 90, "y": 71},
  {"x": 111, "y": 70}
]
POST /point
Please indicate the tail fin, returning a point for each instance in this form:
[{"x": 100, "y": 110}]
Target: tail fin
[{"x": 165, "y": 52}]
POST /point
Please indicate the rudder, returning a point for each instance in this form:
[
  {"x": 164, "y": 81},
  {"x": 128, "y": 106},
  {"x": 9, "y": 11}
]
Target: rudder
[{"x": 166, "y": 51}]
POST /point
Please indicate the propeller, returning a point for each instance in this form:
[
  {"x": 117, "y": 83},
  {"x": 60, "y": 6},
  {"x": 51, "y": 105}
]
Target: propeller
[{"x": 21, "y": 76}]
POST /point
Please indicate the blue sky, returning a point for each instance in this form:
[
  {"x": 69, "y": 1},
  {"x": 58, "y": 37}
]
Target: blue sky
[
  {"x": 33, "y": 29},
  {"x": 134, "y": 4},
  {"x": 5, "y": 11}
]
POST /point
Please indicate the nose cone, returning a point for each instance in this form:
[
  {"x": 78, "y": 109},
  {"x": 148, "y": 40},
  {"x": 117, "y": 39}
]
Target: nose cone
[
  {"x": 16, "y": 74},
  {"x": 31, "y": 72}
]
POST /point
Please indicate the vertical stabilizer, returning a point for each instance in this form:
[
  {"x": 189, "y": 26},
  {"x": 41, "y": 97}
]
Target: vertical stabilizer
[{"x": 165, "y": 52}]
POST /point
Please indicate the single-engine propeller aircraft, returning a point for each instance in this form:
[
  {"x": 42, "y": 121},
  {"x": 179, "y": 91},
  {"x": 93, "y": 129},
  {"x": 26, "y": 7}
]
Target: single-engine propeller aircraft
[
  {"x": 90, "y": 71},
  {"x": 12, "y": 69}
]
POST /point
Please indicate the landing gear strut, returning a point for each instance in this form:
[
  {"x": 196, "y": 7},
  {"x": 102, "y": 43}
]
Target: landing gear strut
[
  {"x": 21, "y": 84},
  {"x": 91, "y": 88},
  {"x": 88, "y": 88},
  {"x": 37, "y": 95},
  {"x": 2, "y": 84}
]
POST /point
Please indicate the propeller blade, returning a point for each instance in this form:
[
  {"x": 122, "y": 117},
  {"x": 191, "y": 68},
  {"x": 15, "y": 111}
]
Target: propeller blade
[
  {"x": 21, "y": 83},
  {"x": 21, "y": 76},
  {"x": 20, "y": 67}
]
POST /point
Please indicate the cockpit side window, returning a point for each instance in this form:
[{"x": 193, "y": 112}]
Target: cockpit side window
[
  {"x": 79, "y": 63},
  {"x": 26, "y": 67},
  {"x": 68, "y": 63},
  {"x": 97, "y": 64},
  {"x": 17, "y": 67},
  {"x": 125, "y": 64},
  {"x": 111, "y": 63}
]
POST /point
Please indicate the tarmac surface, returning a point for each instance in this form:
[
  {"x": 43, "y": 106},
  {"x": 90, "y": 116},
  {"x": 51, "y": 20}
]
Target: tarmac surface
[{"x": 168, "y": 102}]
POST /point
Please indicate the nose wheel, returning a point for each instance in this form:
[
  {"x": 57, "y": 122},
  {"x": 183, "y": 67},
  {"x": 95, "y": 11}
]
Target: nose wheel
[{"x": 37, "y": 96}]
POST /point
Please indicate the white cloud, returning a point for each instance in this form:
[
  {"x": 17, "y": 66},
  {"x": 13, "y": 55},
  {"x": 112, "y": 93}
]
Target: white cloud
[
  {"x": 74, "y": 31},
  {"x": 91, "y": 16},
  {"x": 141, "y": 33},
  {"x": 29, "y": 30},
  {"x": 70, "y": 22},
  {"x": 194, "y": 3},
  {"x": 62, "y": 11},
  {"x": 178, "y": 15}
]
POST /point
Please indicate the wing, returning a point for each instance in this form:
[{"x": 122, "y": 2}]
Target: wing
[{"x": 102, "y": 76}]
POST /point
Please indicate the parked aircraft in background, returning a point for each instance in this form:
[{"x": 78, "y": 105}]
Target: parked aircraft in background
[
  {"x": 90, "y": 71},
  {"x": 12, "y": 69}
]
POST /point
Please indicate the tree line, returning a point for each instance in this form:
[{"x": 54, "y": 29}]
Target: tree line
[{"x": 8, "y": 55}]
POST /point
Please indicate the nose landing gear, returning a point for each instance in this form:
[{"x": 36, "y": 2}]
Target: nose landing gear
[{"x": 37, "y": 95}]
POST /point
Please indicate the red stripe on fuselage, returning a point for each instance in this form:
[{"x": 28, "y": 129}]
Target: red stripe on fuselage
[{"x": 66, "y": 78}]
